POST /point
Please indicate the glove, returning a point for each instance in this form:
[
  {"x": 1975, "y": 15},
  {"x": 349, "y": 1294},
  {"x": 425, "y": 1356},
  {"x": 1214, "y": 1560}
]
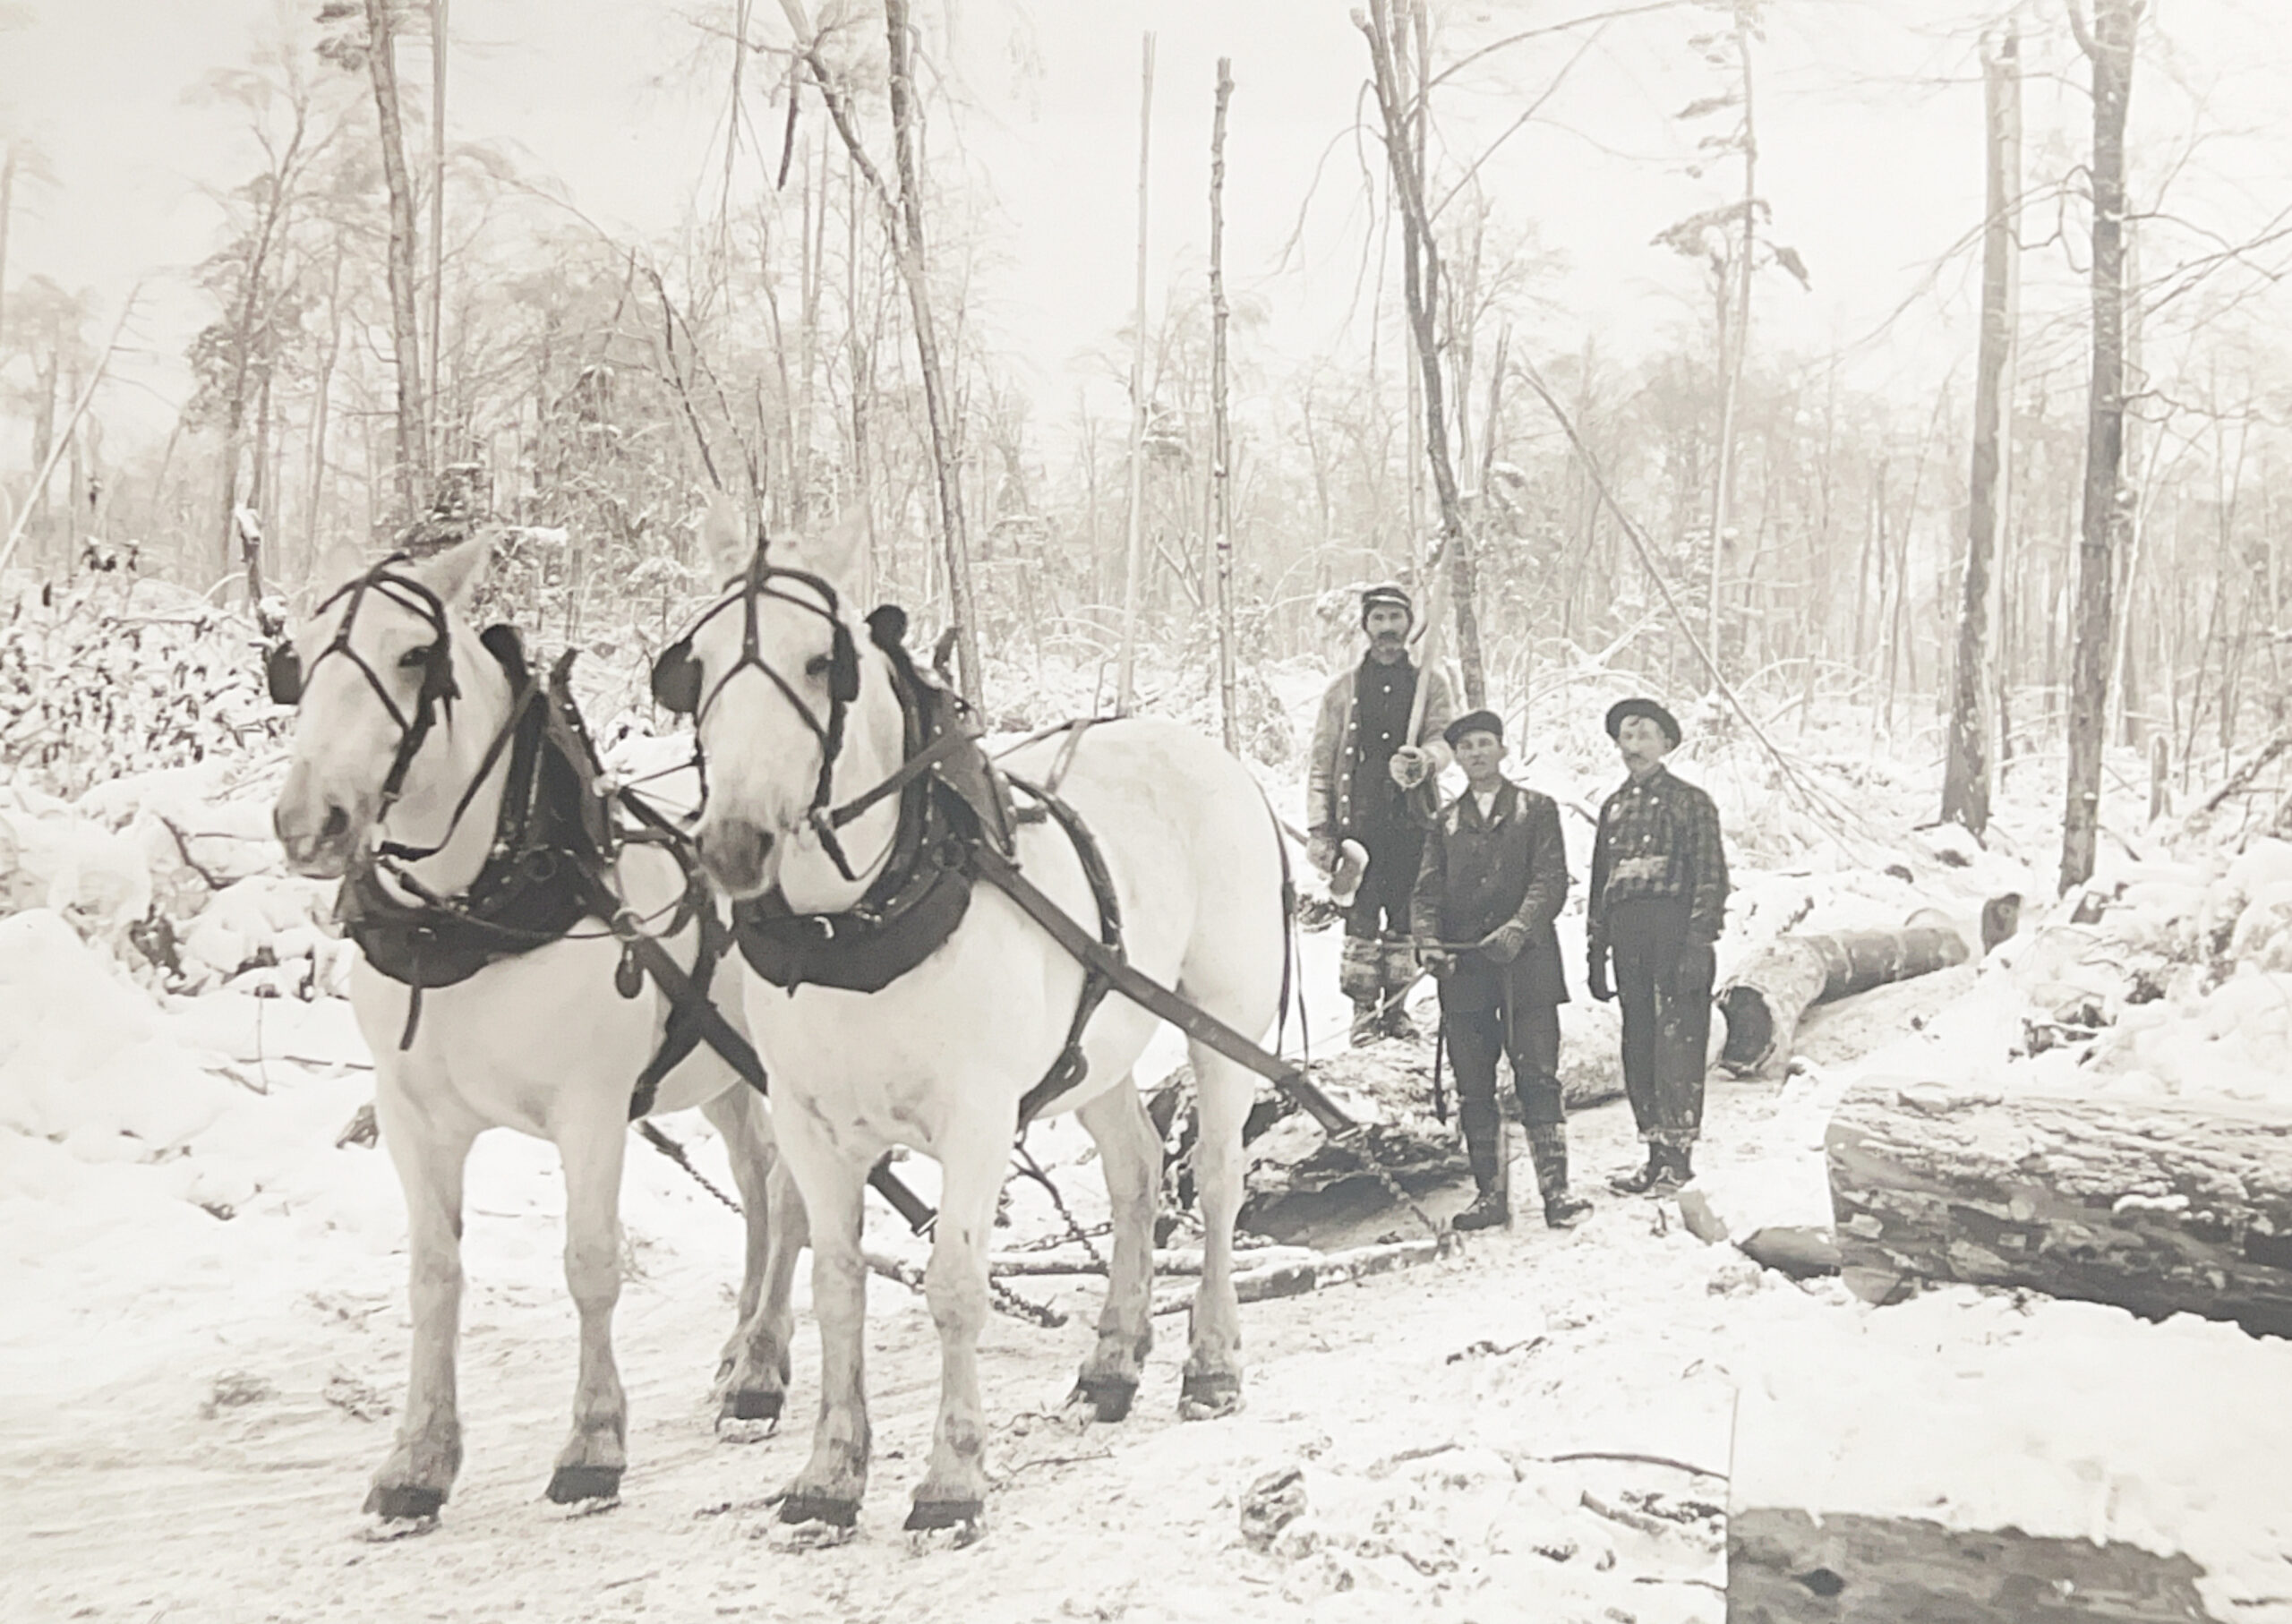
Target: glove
[
  {"x": 1320, "y": 849},
  {"x": 1408, "y": 767},
  {"x": 1502, "y": 945},
  {"x": 1439, "y": 960},
  {"x": 1601, "y": 989}
]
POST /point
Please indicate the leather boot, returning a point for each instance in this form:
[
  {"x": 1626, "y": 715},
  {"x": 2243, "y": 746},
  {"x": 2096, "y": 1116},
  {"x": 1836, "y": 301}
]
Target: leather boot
[
  {"x": 1548, "y": 1147},
  {"x": 1360, "y": 979},
  {"x": 1488, "y": 1210},
  {"x": 1368, "y": 1021},
  {"x": 1642, "y": 1180},
  {"x": 1397, "y": 972}
]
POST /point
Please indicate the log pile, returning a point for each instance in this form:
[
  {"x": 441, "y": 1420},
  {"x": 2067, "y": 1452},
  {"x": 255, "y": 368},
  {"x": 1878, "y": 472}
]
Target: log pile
[{"x": 2158, "y": 1205}]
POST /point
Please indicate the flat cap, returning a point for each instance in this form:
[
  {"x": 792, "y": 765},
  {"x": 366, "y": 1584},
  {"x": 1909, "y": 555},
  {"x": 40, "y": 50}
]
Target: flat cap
[{"x": 1623, "y": 709}]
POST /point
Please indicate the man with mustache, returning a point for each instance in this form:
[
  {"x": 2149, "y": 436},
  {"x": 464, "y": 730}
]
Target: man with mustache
[
  {"x": 1658, "y": 900},
  {"x": 1362, "y": 769}
]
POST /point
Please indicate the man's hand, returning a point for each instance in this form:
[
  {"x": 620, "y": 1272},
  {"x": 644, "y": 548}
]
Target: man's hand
[
  {"x": 1408, "y": 766},
  {"x": 1320, "y": 849},
  {"x": 1439, "y": 960},
  {"x": 1601, "y": 989},
  {"x": 1503, "y": 944}
]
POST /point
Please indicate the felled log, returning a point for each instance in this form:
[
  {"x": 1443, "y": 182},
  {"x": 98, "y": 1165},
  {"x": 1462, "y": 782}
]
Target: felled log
[
  {"x": 2161, "y": 1206},
  {"x": 1785, "y": 1566},
  {"x": 1764, "y": 1002},
  {"x": 1325, "y": 1270}
]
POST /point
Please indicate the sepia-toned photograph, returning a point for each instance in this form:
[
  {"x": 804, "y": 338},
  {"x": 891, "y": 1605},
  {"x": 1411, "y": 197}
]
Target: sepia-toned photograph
[{"x": 1145, "y": 811}]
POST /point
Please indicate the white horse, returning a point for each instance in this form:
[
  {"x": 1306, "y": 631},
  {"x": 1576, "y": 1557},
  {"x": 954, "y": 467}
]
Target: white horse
[
  {"x": 402, "y": 738},
  {"x": 798, "y": 708}
]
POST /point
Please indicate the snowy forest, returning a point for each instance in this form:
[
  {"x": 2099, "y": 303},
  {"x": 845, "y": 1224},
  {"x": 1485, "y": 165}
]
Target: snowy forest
[{"x": 1896, "y": 390}]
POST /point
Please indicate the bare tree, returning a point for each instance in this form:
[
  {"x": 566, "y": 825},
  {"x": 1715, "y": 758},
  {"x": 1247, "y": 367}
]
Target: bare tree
[
  {"x": 1966, "y": 774},
  {"x": 2109, "y": 44},
  {"x": 1220, "y": 437},
  {"x": 375, "y": 52},
  {"x": 1421, "y": 286},
  {"x": 903, "y": 225}
]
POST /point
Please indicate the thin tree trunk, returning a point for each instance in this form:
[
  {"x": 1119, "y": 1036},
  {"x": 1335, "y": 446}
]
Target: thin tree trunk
[
  {"x": 1221, "y": 443},
  {"x": 7, "y": 210},
  {"x": 2109, "y": 46},
  {"x": 1723, "y": 493},
  {"x": 1133, "y": 560},
  {"x": 1420, "y": 267},
  {"x": 1966, "y": 775},
  {"x": 406, "y": 340},
  {"x": 440, "y": 454},
  {"x": 323, "y": 390}
]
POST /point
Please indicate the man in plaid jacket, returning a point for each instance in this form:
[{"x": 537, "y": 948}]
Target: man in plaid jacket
[{"x": 1658, "y": 900}]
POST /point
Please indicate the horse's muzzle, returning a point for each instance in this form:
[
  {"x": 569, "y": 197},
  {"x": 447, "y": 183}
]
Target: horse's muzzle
[
  {"x": 317, "y": 832},
  {"x": 736, "y": 853}
]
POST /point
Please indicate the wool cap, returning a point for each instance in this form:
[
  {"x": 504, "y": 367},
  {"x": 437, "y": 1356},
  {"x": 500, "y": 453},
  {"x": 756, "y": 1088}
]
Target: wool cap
[
  {"x": 1624, "y": 709},
  {"x": 1473, "y": 721},
  {"x": 1388, "y": 594}
]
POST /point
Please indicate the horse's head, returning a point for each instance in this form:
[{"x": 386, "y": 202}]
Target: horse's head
[
  {"x": 771, "y": 673},
  {"x": 372, "y": 671}
]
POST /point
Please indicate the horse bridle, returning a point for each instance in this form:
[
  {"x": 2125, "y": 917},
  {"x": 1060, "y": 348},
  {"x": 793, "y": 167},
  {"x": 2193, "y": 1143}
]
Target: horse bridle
[
  {"x": 676, "y": 679},
  {"x": 289, "y": 679}
]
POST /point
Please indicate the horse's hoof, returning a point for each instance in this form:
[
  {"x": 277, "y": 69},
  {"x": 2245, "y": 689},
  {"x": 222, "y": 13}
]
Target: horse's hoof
[
  {"x": 404, "y": 1502},
  {"x": 1108, "y": 1396},
  {"x": 572, "y": 1485},
  {"x": 929, "y": 1515},
  {"x": 819, "y": 1508},
  {"x": 1205, "y": 1398},
  {"x": 750, "y": 1405}
]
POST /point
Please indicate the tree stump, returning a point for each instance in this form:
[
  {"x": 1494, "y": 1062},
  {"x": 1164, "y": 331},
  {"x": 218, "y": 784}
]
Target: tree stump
[{"x": 2161, "y": 1206}]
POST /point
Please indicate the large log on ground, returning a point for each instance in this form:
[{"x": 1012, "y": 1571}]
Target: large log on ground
[
  {"x": 2162, "y": 1207},
  {"x": 1764, "y": 1001}
]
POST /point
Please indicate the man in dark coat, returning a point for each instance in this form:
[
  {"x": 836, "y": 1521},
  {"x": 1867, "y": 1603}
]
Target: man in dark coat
[
  {"x": 1363, "y": 767},
  {"x": 1658, "y": 900},
  {"x": 1493, "y": 875}
]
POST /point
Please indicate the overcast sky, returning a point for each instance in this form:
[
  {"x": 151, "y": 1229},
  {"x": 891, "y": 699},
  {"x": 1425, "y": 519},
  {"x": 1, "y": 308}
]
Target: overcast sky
[{"x": 1870, "y": 149}]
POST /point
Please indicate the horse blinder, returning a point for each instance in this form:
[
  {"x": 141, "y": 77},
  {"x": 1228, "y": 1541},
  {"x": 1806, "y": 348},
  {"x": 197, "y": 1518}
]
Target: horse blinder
[
  {"x": 676, "y": 679},
  {"x": 844, "y": 667},
  {"x": 282, "y": 669}
]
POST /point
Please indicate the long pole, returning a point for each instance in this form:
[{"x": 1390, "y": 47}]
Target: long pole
[
  {"x": 1126, "y": 671},
  {"x": 1221, "y": 472}
]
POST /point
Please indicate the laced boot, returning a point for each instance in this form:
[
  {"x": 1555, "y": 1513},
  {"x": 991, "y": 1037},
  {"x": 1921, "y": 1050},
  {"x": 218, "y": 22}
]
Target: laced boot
[
  {"x": 1396, "y": 1022},
  {"x": 1643, "y": 1179},
  {"x": 1489, "y": 1210},
  {"x": 1548, "y": 1147},
  {"x": 1367, "y": 1022}
]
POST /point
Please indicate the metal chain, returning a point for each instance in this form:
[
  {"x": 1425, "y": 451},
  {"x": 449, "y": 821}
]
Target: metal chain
[
  {"x": 1010, "y": 1302},
  {"x": 675, "y": 1152},
  {"x": 1033, "y": 1170}
]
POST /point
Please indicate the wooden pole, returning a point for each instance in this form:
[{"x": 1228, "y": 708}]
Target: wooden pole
[
  {"x": 1221, "y": 471},
  {"x": 1126, "y": 669},
  {"x": 1967, "y": 774}
]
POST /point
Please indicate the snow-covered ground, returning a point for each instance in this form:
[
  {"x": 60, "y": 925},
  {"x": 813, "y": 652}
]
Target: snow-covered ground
[{"x": 205, "y": 1334}]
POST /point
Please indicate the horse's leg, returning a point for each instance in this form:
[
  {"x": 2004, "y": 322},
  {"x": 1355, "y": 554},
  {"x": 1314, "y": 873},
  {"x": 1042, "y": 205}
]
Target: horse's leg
[
  {"x": 752, "y": 1377},
  {"x": 1131, "y": 1156},
  {"x": 1213, "y": 1366},
  {"x": 590, "y": 1147},
  {"x": 973, "y": 1162},
  {"x": 829, "y": 1487},
  {"x": 430, "y": 1156}
]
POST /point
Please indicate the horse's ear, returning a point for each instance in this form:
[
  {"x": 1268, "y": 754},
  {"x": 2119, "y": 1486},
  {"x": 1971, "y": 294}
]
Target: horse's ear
[
  {"x": 839, "y": 555},
  {"x": 454, "y": 573},
  {"x": 726, "y": 544},
  {"x": 339, "y": 565}
]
